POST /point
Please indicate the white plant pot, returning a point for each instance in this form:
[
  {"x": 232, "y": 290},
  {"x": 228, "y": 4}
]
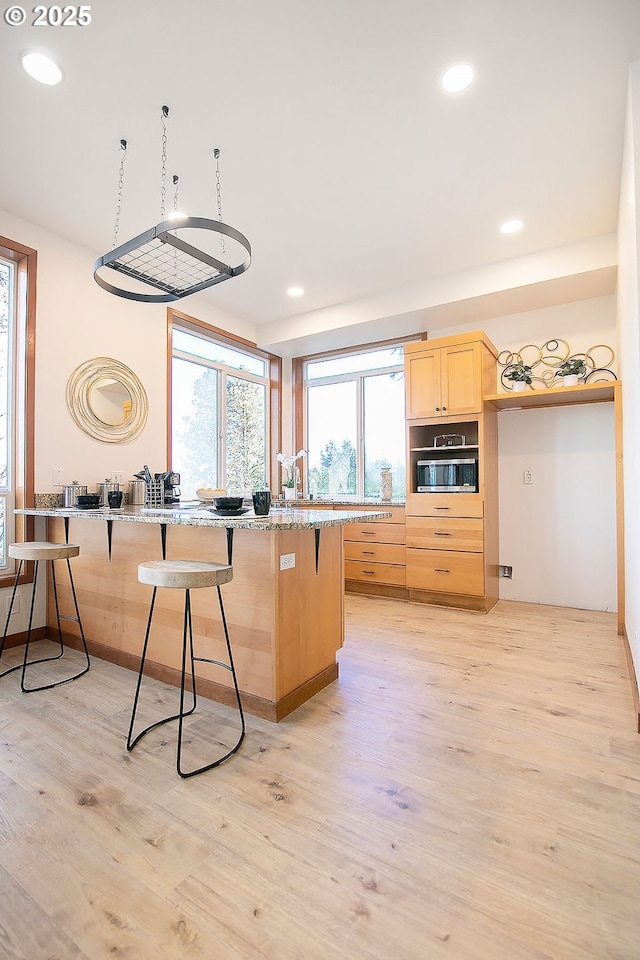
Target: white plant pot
[
  {"x": 289, "y": 493},
  {"x": 571, "y": 380},
  {"x": 519, "y": 386}
]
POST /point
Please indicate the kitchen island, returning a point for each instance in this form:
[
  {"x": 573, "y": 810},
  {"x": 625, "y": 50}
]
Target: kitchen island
[{"x": 284, "y": 606}]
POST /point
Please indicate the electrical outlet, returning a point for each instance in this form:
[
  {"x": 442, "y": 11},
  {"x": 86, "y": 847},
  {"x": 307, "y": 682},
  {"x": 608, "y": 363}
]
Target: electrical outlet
[
  {"x": 287, "y": 561},
  {"x": 58, "y": 476},
  {"x": 117, "y": 476},
  {"x": 16, "y": 604},
  {"x": 527, "y": 476},
  {"x": 505, "y": 571}
]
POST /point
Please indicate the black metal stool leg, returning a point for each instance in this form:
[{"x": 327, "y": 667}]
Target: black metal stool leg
[
  {"x": 55, "y": 597},
  {"x": 6, "y": 626},
  {"x": 59, "y": 616},
  {"x": 230, "y": 666},
  {"x": 131, "y": 743},
  {"x": 28, "y": 641},
  {"x": 79, "y": 621}
]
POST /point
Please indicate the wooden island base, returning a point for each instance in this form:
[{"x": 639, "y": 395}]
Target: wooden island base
[{"x": 285, "y": 626}]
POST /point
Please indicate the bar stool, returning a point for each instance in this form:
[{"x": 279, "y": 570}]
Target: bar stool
[
  {"x": 37, "y": 551},
  {"x": 185, "y": 575}
]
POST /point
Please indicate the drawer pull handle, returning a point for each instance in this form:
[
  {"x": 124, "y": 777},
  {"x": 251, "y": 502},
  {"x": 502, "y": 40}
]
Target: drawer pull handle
[
  {"x": 370, "y": 572},
  {"x": 436, "y": 533},
  {"x": 442, "y": 508},
  {"x": 370, "y": 533},
  {"x": 369, "y": 553},
  {"x": 439, "y": 570}
]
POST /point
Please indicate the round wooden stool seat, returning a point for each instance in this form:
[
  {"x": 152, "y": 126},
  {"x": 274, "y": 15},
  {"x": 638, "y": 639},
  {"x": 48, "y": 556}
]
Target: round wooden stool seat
[
  {"x": 184, "y": 574},
  {"x": 43, "y": 551}
]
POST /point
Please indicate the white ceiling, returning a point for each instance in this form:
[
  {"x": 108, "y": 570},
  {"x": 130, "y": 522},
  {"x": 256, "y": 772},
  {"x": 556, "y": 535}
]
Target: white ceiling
[{"x": 342, "y": 160}]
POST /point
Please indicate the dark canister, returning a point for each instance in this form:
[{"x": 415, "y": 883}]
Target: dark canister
[
  {"x": 262, "y": 503},
  {"x": 114, "y": 498}
]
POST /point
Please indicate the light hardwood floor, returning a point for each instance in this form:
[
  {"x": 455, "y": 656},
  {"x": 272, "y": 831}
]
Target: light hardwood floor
[{"x": 468, "y": 789}]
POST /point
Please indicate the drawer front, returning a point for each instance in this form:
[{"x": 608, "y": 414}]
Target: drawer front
[
  {"x": 445, "y": 571},
  {"x": 374, "y": 572},
  {"x": 444, "y": 505},
  {"x": 444, "y": 533},
  {"x": 374, "y": 552},
  {"x": 373, "y": 532}
]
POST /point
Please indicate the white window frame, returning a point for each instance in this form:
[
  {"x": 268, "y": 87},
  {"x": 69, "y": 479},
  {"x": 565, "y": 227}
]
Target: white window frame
[
  {"x": 359, "y": 378},
  {"x": 8, "y": 491},
  {"x": 20, "y": 492},
  {"x": 225, "y": 371}
]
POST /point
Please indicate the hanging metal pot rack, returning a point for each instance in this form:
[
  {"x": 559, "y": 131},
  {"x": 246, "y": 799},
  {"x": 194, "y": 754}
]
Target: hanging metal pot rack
[{"x": 160, "y": 258}]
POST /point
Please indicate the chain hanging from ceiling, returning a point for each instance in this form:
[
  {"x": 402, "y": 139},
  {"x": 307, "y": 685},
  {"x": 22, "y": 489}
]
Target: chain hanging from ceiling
[{"x": 160, "y": 258}]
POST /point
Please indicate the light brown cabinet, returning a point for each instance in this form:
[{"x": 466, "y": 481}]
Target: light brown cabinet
[
  {"x": 452, "y": 539},
  {"x": 374, "y": 556},
  {"x": 448, "y": 377}
]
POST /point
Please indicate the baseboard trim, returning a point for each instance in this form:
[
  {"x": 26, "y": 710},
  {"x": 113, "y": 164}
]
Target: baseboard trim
[
  {"x": 388, "y": 590},
  {"x": 632, "y": 676},
  {"x": 19, "y": 639},
  {"x": 300, "y": 695},
  {"x": 453, "y": 600},
  {"x": 256, "y": 706}
]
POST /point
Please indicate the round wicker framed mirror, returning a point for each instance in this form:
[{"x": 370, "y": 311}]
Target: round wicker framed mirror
[{"x": 107, "y": 400}]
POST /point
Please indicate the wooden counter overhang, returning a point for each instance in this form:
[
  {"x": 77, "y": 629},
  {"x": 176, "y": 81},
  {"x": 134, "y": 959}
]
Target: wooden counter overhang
[{"x": 285, "y": 625}]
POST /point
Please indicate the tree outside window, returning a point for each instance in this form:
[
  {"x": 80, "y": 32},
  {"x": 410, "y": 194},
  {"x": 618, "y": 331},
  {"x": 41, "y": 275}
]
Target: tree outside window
[
  {"x": 219, "y": 416},
  {"x": 355, "y": 423}
]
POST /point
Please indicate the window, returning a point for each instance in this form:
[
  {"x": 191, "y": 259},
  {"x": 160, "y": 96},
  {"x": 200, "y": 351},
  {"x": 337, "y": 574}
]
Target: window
[
  {"x": 354, "y": 421},
  {"x": 7, "y": 328},
  {"x": 17, "y": 333},
  {"x": 222, "y": 392}
]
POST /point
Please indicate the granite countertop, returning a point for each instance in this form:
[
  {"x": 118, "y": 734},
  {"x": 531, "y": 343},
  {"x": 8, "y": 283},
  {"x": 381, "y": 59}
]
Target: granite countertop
[
  {"x": 346, "y": 502},
  {"x": 280, "y": 518}
]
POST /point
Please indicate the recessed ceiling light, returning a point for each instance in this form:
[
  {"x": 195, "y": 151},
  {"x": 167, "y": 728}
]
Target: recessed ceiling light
[
  {"x": 42, "y": 68},
  {"x": 457, "y": 77},
  {"x": 295, "y": 291},
  {"x": 511, "y": 226}
]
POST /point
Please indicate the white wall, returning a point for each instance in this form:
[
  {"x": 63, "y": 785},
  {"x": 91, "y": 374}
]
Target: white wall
[
  {"x": 559, "y": 533},
  {"x": 629, "y": 333},
  {"x": 582, "y": 324}
]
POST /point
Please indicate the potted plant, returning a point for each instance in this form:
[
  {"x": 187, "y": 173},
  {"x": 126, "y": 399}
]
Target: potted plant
[
  {"x": 290, "y": 473},
  {"x": 520, "y": 376},
  {"x": 572, "y": 370}
]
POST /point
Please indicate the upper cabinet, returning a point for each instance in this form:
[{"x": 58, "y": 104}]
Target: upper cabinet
[{"x": 449, "y": 377}]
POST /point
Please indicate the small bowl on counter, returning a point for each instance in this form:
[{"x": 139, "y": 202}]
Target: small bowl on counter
[
  {"x": 228, "y": 503},
  {"x": 88, "y": 501}
]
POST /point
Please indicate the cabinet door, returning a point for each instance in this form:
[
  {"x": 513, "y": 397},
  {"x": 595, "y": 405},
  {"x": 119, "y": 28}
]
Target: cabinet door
[
  {"x": 445, "y": 572},
  {"x": 375, "y": 533},
  {"x": 461, "y": 379},
  {"x": 386, "y": 573},
  {"x": 446, "y": 533},
  {"x": 374, "y": 552},
  {"x": 423, "y": 384}
]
